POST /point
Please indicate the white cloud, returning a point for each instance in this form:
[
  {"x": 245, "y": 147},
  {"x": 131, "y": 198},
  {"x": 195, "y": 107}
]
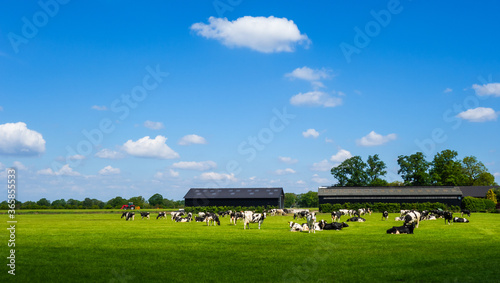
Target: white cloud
[
  {"x": 287, "y": 160},
  {"x": 99, "y": 108},
  {"x": 374, "y": 139},
  {"x": 300, "y": 182},
  {"x": 150, "y": 148},
  {"x": 448, "y": 90},
  {"x": 262, "y": 34},
  {"x": 108, "y": 170},
  {"x": 193, "y": 165},
  {"x": 109, "y": 154},
  {"x": 308, "y": 74},
  {"x": 213, "y": 176},
  {"x": 496, "y": 174},
  {"x": 64, "y": 171},
  {"x": 317, "y": 179},
  {"x": 340, "y": 156},
  {"x": 327, "y": 140},
  {"x": 17, "y": 139},
  {"x": 487, "y": 89},
  {"x": 315, "y": 98},
  {"x": 192, "y": 139},
  {"x": 286, "y": 171},
  {"x": 167, "y": 174},
  {"x": 322, "y": 166},
  {"x": 310, "y": 133},
  {"x": 77, "y": 157},
  {"x": 19, "y": 165},
  {"x": 479, "y": 114},
  {"x": 154, "y": 125}
]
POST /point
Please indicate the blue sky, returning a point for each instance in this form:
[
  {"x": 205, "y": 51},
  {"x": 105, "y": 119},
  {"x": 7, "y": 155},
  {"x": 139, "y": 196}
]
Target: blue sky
[{"x": 125, "y": 99}]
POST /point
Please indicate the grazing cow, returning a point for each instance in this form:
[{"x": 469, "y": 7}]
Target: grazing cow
[
  {"x": 211, "y": 219},
  {"x": 162, "y": 215},
  {"x": 460, "y": 220},
  {"x": 280, "y": 212},
  {"x": 405, "y": 229},
  {"x": 124, "y": 214},
  {"x": 201, "y": 214},
  {"x": 336, "y": 216},
  {"x": 295, "y": 227},
  {"x": 465, "y": 211},
  {"x": 145, "y": 214},
  {"x": 448, "y": 217},
  {"x": 176, "y": 214},
  {"x": 188, "y": 218},
  {"x": 385, "y": 215},
  {"x": 356, "y": 219},
  {"x": 411, "y": 217},
  {"x": 235, "y": 215},
  {"x": 311, "y": 218},
  {"x": 128, "y": 215},
  {"x": 362, "y": 211},
  {"x": 332, "y": 226},
  {"x": 300, "y": 214},
  {"x": 250, "y": 217}
]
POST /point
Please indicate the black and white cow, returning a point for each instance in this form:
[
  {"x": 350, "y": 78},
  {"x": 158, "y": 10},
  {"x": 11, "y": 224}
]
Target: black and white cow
[
  {"x": 363, "y": 211},
  {"x": 332, "y": 226},
  {"x": 188, "y": 218},
  {"x": 411, "y": 217},
  {"x": 211, "y": 219},
  {"x": 235, "y": 215},
  {"x": 336, "y": 216},
  {"x": 460, "y": 220},
  {"x": 295, "y": 227},
  {"x": 405, "y": 229},
  {"x": 385, "y": 215},
  {"x": 403, "y": 212},
  {"x": 199, "y": 219},
  {"x": 176, "y": 214},
  {"x": 128, "y": 215},
  {"x": 250, "y": 217},
  {"x": 145, "y": 214},
  {"x": 465, "y": 211},
  {"x": 311, "y": 219},
  {"x": 300, "y": 214},
  {"x": 448, "y": 217},
  {"x": 124, "y": 214},
  {"x": 356, "y": 219},
  {"x": 162, "y": 215}
]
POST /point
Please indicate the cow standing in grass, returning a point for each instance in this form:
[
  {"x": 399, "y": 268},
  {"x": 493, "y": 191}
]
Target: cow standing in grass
[
  {"x": 250, "y": 217},
  {"x": 311, "y": 218},
  {"x": 448, "y": 217},
  {"x": 336, "y": 216},
  {"x": 385, "y": 215}
]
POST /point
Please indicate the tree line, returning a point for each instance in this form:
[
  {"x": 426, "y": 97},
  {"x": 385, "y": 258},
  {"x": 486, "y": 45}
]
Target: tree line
[
  {"x": 155, "y": 201},
  {"x": 445, "y": 169}
]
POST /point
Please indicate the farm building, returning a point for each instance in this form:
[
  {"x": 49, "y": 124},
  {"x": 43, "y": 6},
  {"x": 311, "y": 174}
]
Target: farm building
[{"x": 235, "y": 197}]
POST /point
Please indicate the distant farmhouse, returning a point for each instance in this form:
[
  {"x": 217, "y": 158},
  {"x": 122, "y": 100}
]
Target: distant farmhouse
[
  {"x": 405, "y": 194},
  {"x": 235, "y": 197}
]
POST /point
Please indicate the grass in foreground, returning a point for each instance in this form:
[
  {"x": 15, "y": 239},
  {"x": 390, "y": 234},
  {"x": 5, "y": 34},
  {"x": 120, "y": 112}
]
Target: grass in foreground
[{"x": 105, "y": 248}]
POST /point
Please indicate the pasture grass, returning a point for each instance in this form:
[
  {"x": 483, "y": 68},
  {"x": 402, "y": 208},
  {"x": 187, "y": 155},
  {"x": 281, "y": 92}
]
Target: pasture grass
[{"x": 105, "y": 248}]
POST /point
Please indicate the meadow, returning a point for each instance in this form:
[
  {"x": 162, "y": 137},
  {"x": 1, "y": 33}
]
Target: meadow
[{"x": 105, "y": 248}]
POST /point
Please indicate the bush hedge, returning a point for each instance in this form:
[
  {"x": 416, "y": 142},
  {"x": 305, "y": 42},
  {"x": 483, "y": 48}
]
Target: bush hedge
[{"x": 478, "y": 204}]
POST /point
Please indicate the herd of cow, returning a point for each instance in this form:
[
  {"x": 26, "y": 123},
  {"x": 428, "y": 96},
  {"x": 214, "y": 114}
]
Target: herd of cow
[{"x": 411, "y": 218}]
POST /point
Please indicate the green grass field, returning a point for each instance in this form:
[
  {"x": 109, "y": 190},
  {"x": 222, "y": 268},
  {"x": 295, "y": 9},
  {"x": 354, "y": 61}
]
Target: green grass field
[{"x": 105, "y": 248}]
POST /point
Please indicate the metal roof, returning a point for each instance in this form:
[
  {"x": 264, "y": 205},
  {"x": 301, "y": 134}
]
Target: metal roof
[
  {"x": 389, "y": 191},
  {"x": 231, "y": 193},
  {"x": 476, "y": 191}
]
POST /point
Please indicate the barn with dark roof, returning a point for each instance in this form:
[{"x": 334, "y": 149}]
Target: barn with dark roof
[{"x": 235, "y": 197}]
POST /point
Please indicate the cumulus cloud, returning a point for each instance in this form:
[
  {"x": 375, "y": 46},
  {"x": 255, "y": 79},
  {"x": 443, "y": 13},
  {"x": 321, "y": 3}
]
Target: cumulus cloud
[
  {"x": 261, "y": 34},
  {"x": 310, "y": 133},
  {"x": 109, "y": 154},
  {"x": 315, "y": 98},
  {"x": 63, "y": 171},
  {"x": 193, "y": 165},
  {"x": 150, "y": 148},
  {"x": 322, "y": 166},
  {"x": 287, "y": 160},
  {"x": 108, "y": 170},
  {"x": 308, "y": 74},
  {"x": 487, "y": 89},
  {"x": 77, "y": 157},
  {"x": 479, "y": 114},
  {"x": 154, "y": 125},
  {"x": 317, "y": 179},
  {"x": 214, "y": 176},
  {"x": 167, "y": 174},
  {"x": 374, "y": 139},
  {"x": 192, "y": 139},
  {"x": 17, "y": 139},
  {"x": 448, "y": 90},
  {"x": 286, "y": 171},
  {"x": 99, "y": 108},
  {"x": 340, "y": 156}
]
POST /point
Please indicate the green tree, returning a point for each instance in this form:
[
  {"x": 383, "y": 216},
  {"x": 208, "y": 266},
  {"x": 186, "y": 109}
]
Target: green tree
[
  {"x": 156, "y": 200},
  {"x": 491, "y": 196},
  {"x": 117, "y": 202},
  {"x": 309, "y": 199},
  {"x": 395, "y": 184},
  {"x": 43, "y": 202},
  {"x": 351, "y": 173},
  {"x": 87, "y": 203},
  {"x": 138, "y": 201},
  {"x": 375, "y": 170},
  {"x": 447, "y": 169},
  {"x": 414, "y": 169},
  {"x": 60, "y": 203},
  {"x": 472, "y": 170},
  {"x": 290, "y": 200}
]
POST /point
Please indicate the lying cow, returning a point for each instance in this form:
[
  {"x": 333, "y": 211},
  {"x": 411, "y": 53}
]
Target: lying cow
[
  {"x": 199, "y": 219},
  {"x": 448, "y": 217},
  {"x": 145, "y": 214},
  {"x": 188, "y": 218},
  {"x": 332, "y": 226},
  {"x": 385, "y": 215},
  {"x": 460, "y": 220},
  {"x": 405, "y": 229},
  {"x": 250, "y": 217},
  {"x": 356, "y": 219},
  {"x": 399, "y": 218},
  {"x": 176, "y": 214},
  {"x": 412, "y": 216},
  {"x": 295, "y": 227}
]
